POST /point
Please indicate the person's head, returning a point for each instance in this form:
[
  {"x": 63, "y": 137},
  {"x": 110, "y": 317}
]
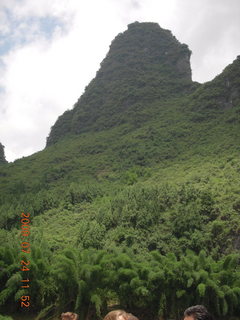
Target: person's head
[
  {"x": 119, "y": 315},
  {"x": 116, "y": 315},
  {"x": 69, "y": 316},
  {"x": 197, "y": 313}
]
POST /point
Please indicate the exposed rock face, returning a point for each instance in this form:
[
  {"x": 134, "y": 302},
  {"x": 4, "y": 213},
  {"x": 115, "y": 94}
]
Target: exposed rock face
[
  {"x": 146, "y": 47},
  {"x": 2, "y": 155},
  {"x": 183, "y": 65},
  {"x": 144, "y": 64}
]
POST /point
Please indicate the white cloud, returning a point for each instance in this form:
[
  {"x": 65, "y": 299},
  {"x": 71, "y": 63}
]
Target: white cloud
[
  {"x": 44, "y": 74},
  {"x": 210, "y": 28},
  {"x": 43, "y": 78},
  {"x": 4, "y": 23}
]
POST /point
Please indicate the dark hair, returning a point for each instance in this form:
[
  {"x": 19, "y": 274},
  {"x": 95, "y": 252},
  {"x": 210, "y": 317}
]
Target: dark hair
[{"x": 198, "y": 312}]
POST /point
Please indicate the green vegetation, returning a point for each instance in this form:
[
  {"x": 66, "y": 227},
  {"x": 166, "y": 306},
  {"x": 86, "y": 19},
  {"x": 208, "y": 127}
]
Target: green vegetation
[
  {"x": 5, "y": 318},
  {"x": 145, "y": 65},
  {"x": 88, "y": 280},
  {"x": 2, "y": 155},
  {"x": 135, "y": 200}
]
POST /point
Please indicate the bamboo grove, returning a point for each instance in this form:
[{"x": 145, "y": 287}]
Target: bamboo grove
[
  {"x": 88, "y": 281},
  {"x": 107, "y": 262}
]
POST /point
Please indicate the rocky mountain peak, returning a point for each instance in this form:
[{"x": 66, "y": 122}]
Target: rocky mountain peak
[
  {"x": 144, "y": 64},
  {"x": 145, "y": 47}
]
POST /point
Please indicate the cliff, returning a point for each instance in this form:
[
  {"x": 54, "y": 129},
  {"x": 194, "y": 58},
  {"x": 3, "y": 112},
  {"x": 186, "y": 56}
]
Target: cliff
[{"x": 144, "y": 64}]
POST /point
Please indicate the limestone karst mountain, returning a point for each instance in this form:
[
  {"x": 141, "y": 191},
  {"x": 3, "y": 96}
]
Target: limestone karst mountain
[
  {"x": 135, "y": 199},
  {"x": 144, "y": 64},
  {"x": 141, "y": 109}
]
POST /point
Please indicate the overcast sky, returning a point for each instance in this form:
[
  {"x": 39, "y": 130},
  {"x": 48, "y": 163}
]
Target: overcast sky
[{"x": 51, "y": 49}]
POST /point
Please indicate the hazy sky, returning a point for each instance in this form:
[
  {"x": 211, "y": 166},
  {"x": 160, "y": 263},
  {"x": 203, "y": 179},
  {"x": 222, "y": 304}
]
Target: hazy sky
[{"x": 51, "y": 49}]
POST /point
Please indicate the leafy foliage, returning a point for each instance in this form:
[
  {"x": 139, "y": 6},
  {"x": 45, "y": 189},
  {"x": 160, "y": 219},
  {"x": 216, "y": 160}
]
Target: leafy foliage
[
  {"x": 2, "y": 155},
  {"x": 135, "y": 200}
]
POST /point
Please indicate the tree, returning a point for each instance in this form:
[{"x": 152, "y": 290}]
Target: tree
[{"x": 2, "y": 154}]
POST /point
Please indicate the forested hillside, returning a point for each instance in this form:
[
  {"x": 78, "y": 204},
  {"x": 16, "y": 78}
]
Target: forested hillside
[
  {"x": 135, "y": 201},
  {"x": 2, "y": 154}
]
